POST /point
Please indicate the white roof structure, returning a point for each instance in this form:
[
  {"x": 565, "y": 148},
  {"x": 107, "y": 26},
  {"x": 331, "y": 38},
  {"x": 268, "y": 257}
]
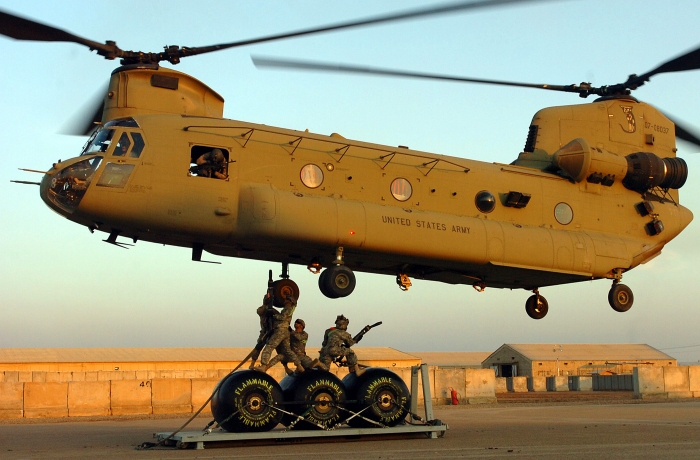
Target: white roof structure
[{"x": 586, "y": 351}]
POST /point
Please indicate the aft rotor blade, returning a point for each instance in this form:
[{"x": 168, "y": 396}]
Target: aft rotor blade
[
  {"x": 688, "y": 61},
  {"x": 410, "y": 14},
  {"x": 342, "y": 68},
  {"x": 25, "y": 29},
  {"x": 685, "y": 133}
]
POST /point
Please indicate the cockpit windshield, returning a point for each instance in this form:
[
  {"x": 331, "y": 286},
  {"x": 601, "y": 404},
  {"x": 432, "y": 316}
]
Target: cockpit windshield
[
  {"x": 101, "y": 139},
  {"x": 69, "y": 185},
  {"x": 98, "y": 142}
]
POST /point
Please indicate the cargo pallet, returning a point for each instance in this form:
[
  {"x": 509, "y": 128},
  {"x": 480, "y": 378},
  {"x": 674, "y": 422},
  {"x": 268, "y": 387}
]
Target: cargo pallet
[{"x": 430, "y": 428}]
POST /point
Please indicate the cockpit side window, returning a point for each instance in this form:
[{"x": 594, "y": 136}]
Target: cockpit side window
[
  {"x": 210, "y": 162},
  {"x": 122, "y": 146},
  {"x": 138, "y": 145}
]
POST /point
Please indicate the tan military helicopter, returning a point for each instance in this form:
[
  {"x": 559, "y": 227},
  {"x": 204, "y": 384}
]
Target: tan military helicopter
[{"x": 164, "y": 166}]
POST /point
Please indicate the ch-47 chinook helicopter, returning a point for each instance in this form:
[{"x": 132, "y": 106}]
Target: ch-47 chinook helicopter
[{"x": 164, "y": 166}]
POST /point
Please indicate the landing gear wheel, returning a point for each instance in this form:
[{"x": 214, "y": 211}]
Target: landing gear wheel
[
  {"x": 282, "y": 288},
  {"x": 320, "y": 395},
  {"x": 536, "y": 307},
  {"x": 380, "y": 394},
  {"x": 620, "y": 297},
  {"x": 246, "y": 401},
  {"x": 323, "y": 282},
  {"x": 338, "y": 281}
]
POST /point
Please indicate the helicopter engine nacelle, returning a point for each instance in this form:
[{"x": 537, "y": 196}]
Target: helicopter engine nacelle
[
  {"x": 646, "y": 170},
  {"x": 581, "y": 161},
  {"x": 638, "y": 171}
]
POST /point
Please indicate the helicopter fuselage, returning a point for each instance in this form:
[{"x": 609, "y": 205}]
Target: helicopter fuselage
[{"x": 296, "y": 197}]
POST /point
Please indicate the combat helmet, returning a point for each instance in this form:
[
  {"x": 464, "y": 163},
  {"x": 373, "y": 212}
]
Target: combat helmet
[{"x": 341, "y": 321}]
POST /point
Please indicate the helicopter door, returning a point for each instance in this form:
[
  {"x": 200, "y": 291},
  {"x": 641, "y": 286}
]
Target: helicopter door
[{"x": 207, "y": 206}]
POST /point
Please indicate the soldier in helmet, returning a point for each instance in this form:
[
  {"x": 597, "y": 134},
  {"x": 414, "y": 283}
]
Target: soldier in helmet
[
  {"x": 336, "y": 343},
  {"x": 265, "y": 313},
  {"x": 212, "y": 164},
  {"x": 279, "y": 338},
  {"x": 297, "y": 342}
]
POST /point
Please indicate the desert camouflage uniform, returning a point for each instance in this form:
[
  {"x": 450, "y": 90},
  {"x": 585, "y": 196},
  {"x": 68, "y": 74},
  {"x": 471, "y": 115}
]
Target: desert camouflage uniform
[
  {"x": 264, "y": 313},
  {"x": 280, "y": 337},
  {"x": 333, "y": 341},
  {"x": 297, "y": 342}
]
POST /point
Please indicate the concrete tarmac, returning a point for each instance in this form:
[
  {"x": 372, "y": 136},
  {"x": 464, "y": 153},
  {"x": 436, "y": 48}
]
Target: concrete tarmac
[{"x": 659, "y": 430}]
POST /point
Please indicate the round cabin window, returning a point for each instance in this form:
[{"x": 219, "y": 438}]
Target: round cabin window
[
  {"x": 401, "y": 189},
  {"x": 311, "y": 176},
  {"x": 485, "y": 201},
  {"x": 563, "y": 213}
]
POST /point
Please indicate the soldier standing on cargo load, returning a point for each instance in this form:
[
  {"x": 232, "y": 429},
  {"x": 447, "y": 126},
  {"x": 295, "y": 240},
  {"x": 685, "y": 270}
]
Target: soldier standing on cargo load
[
  {"x": 280, "y": 338},
  {"x": 265, "y": 313},
  {"x": 336, "y": 343}
]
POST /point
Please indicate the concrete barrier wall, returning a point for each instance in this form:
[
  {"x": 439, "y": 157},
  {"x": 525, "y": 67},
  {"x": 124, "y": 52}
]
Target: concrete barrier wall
[
  {"x": 666, "y": 382},
  {"x": 558, "y": 383},
  {"x": 537, "y": 383},
  {"x": 96, "y": 397},
  {"x": 581, "y": 383},
  {"x": 620, "y": 382},
  {"x": 516, "y": 384},
  {"x": 501, "y": 385}
]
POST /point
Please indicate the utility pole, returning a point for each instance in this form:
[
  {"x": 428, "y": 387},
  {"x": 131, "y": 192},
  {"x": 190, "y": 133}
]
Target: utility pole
[{"x": 557, "y": 356}]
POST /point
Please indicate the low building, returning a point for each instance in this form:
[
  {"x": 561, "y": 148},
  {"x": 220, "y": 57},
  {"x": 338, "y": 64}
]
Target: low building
[
  {"x": 549, "y": 359},
  {"x": 65, "y": 364}
]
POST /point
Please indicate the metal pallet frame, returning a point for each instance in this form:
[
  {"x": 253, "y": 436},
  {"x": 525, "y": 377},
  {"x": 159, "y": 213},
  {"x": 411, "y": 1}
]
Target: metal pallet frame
[{"x": 432, "y": 429}]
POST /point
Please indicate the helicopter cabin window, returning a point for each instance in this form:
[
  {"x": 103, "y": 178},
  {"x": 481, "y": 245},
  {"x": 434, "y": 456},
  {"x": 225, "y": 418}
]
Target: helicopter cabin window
[
  {"x": 563, "y": 213},
  {"x": 485, "y": 201},
  {"x": 311, "y": 176},
  {"x": 209, "y": 162},
  {"x": 401, "y": 189},
  {"x": 122, "y": 146}
]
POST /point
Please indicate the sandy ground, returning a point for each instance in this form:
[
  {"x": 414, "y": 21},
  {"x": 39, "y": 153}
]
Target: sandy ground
[{"x": 576, "y": 428}]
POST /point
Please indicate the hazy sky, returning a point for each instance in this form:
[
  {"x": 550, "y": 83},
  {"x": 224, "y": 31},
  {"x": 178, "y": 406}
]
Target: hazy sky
[{"x": 60, "y": 286}]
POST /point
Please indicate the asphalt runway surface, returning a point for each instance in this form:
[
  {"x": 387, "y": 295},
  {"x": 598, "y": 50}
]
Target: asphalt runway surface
[{"x": 656, "y": 430}]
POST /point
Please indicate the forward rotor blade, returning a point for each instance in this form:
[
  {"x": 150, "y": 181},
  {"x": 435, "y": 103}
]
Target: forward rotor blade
[
  {"x": 25, "y": 29},
  {"x": 342, "y": 68},
  {"x": 84, "y": 120},
  {"x": 422, "y": 12}
]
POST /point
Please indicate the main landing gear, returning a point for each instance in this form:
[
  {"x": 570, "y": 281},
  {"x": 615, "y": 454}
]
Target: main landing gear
[
  {"x": 536, "y": 306},
  {"x": 337, "y": 280}
]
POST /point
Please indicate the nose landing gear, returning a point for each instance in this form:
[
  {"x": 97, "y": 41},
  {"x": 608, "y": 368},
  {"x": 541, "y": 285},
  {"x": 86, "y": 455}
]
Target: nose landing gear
[{"x": 620, "y": 297}]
